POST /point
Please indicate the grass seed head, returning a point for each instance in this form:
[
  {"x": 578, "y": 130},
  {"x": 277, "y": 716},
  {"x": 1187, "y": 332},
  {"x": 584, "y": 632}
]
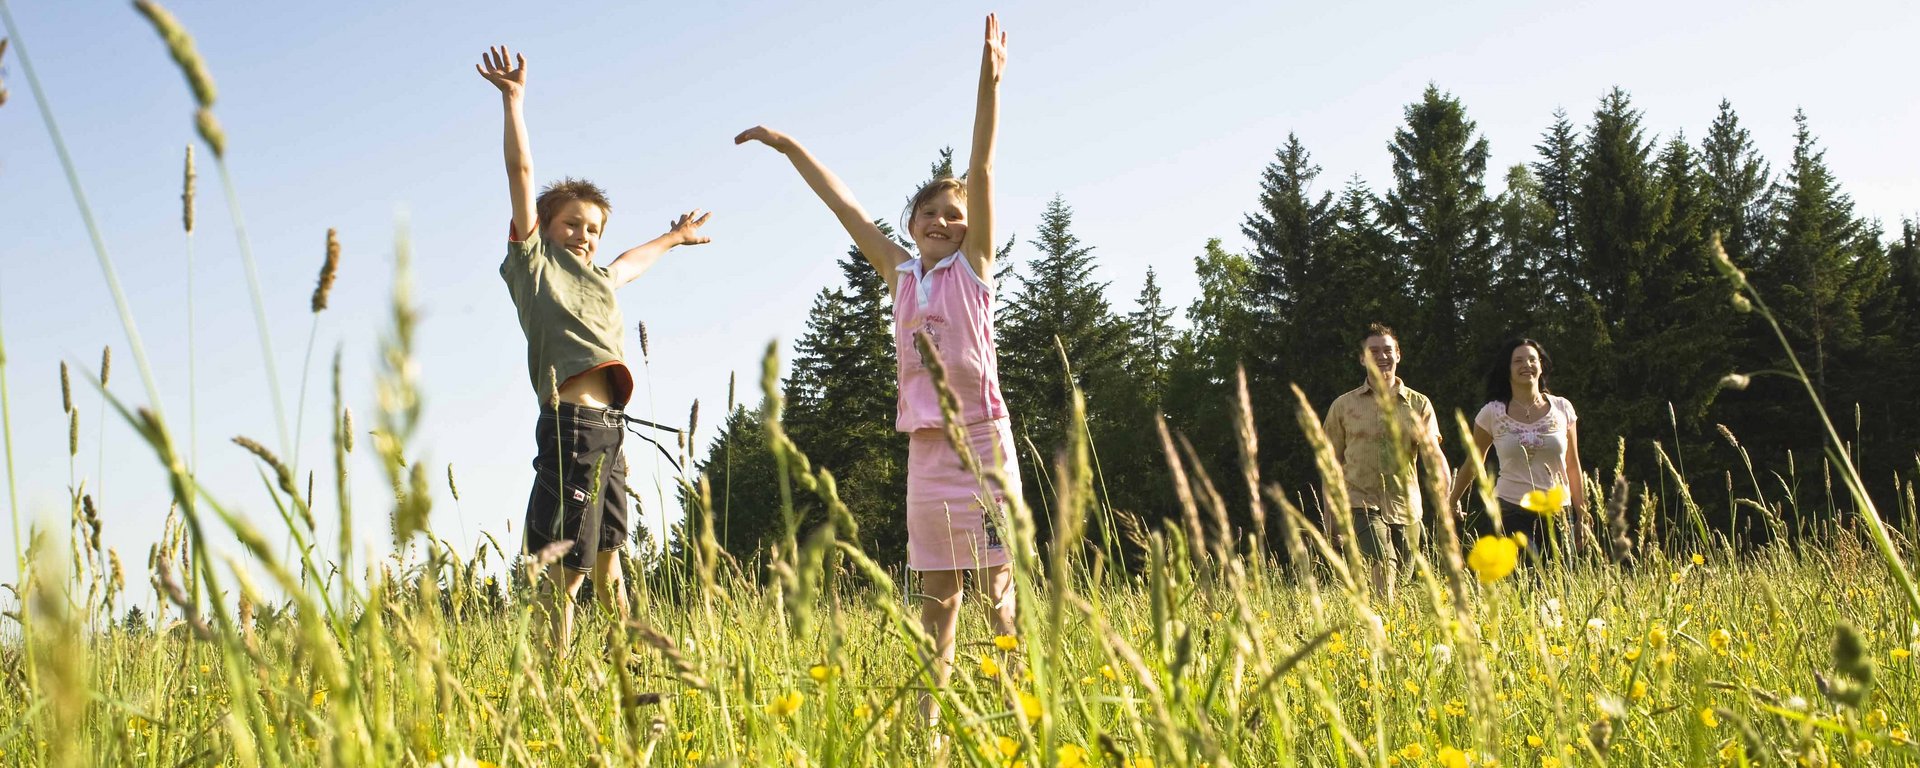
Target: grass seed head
[
  {"x": 328, "y": 269},
  {"x": 180, "y": 47},
  {"x": 106, "y": 365},
  {"x": 211, "y": 132},
  {"x": 186, "y": 192},
  {"x": 66, "y": 390}
]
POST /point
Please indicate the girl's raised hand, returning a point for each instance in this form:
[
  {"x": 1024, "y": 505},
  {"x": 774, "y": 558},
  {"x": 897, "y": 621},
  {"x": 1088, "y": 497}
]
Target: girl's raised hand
[
  {"x": 995, "y": 56},
  {"x": 765, "y": 135},
  {"x": 493, "y": 66}
]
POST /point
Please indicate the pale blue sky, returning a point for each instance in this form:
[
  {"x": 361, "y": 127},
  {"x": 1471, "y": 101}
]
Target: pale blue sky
[{"x": 1153, "y": 119}]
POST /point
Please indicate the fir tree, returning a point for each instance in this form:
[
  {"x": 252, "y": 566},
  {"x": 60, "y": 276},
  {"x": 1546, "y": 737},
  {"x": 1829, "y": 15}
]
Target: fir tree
[
  {"x": 1439, "y": 213},
  {"x": 1058, "y": 298},
  {"x": 1151, "y": 335},
  {"x": 1557, "y": 174},
  {"x": 1738, "y": 196}
]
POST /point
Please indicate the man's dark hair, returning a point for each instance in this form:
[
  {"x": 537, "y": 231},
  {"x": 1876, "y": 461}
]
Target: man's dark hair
[{"x": 1379, "y": 329}]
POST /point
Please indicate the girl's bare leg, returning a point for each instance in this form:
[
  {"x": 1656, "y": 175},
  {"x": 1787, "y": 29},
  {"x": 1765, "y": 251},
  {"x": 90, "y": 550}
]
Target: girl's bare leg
[{"x": 940, "y": 593}]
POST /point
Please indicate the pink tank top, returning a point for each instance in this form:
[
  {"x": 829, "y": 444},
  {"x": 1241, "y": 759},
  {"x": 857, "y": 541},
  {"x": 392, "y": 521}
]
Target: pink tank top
[{"x": 954, "y": 307}]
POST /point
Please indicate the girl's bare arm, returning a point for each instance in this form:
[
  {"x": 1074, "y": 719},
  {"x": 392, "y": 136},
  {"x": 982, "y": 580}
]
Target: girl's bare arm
[
  {"x": 881, "y": 251},
  {"x": 986, "y": 124}
]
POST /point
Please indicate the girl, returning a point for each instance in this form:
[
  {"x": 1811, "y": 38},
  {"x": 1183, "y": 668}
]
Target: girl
[
  {"x": 947, "y": 295},
  {"x": 1534, "y": 435}
]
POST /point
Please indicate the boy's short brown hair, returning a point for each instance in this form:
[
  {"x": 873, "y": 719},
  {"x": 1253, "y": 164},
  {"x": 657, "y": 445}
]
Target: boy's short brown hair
[{"x": 568, "y": 190}]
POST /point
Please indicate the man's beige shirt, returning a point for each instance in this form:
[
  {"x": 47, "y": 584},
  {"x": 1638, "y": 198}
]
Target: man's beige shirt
[{"x": 1375, "y": 478}]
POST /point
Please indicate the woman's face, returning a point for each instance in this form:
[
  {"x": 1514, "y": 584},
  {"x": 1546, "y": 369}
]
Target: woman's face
[{"x": 1525, "y": 365}]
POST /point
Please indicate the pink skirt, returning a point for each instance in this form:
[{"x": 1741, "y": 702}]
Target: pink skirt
[{"x": 949, "y": 527}]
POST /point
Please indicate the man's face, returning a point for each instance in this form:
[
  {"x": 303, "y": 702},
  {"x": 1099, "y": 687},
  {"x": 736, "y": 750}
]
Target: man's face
[{"x": 1383, "y": 353}]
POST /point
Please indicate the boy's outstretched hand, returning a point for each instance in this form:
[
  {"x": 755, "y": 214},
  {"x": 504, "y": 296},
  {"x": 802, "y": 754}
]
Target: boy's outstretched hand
[
  {"x": 768, "y": 136},
  {"x": 493, "y": 66},
  {"x": 686, "y": 229},
  {"x": 994, "y": 57}
]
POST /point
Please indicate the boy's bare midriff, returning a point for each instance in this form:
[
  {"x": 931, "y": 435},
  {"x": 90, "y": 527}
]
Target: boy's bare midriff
[{"x": 593, "y": 389}]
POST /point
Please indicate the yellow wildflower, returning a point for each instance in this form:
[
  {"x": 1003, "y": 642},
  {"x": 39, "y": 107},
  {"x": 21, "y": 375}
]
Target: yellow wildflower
[
  {"x": 988, "y": 667},
  {"x": 1006, "y": 642},
  {"x": 1877, "y": 719},
  {"x": 319, "y": 698},
  {"x": 1547, "y": 502},
  {"x": 1657, "y": 637},
  {"x": 787, "y": 704},
  {"x": 1549, "y": 761},
  {"x": 1639, "y": 689},
  {"x": 1071, "y": 756},
  {"x": 862, "y": 711},
  {"x": 1030, "y": 706},
  {"x": 1453, "y": 758},
  {"x": 1412, "y": 752},
  {"x": 822, "y": 673},
  {"x": 1106, "y": 671},
  {"x": 1720, "y": 639},
  {"x": 1899, "y": 654},
  {"x": 1708, "y": 718},
  {"x": 1535, "y": 741},
  {"x": 1007, "y": 746},
  {"x": 1493, "y": 558},
  {"x": 1698, "y": 560}
]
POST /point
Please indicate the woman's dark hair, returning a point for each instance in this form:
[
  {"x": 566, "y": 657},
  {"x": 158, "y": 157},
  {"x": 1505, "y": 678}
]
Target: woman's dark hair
[{"x": 1499, "y": 376}]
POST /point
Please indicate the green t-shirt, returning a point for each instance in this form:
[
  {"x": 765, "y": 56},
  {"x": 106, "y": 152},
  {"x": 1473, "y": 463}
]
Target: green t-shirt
[{"x": 567, "y": 311}]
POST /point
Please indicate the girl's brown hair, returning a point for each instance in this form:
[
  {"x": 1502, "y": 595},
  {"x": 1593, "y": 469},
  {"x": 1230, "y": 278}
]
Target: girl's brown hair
[{"x": 927, "y": 191}]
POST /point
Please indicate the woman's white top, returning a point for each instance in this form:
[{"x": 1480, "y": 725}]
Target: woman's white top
[{"x": 1532, "y": 455}]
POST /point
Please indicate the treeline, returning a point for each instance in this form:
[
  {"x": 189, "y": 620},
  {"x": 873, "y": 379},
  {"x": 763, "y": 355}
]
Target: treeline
[{"x": 1599, "y": 247}]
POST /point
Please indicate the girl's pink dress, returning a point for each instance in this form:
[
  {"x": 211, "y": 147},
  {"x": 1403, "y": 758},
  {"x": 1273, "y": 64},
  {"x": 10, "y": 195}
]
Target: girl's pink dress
[{"x": 951, "y": 515}]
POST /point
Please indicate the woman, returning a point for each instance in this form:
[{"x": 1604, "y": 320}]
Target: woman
[{"x": 1535, "y": 437}]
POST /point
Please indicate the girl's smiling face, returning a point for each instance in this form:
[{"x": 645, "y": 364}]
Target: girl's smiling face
[{"x": 939, "y": 224}]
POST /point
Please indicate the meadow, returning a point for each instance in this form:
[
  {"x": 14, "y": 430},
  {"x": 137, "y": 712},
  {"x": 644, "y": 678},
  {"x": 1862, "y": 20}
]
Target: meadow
[{"x": 1653, "y": 640}]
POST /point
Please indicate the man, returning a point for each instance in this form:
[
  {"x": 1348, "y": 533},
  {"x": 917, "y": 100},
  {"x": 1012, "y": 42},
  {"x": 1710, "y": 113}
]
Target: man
[{"x": 1378, "y": 453}]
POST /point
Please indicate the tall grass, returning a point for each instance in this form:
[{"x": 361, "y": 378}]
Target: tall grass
[{"x": 1212, "y": 652}]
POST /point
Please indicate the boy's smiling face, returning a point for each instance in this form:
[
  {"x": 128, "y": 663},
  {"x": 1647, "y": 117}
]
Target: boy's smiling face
[{"x": 576, "y": 226}]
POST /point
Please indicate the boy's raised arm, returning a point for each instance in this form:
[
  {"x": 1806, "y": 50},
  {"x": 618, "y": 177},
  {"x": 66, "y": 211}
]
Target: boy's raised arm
[
  {"x": 881, "y": 251},
  {"x": 682, "y": 231},
  {"x": 512, "y": 82},
  {"x": 986, "y": 123}
]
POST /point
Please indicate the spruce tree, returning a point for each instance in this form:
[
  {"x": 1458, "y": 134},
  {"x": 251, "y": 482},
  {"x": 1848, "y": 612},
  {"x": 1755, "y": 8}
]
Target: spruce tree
[
  {"x": 1812, "y": 271},
  {"x": 1737, "y": 187},
  {"x": 1439, "y": 214},
  {"x": 1557, "y": 174},
  {"x": 1150, "y": 335},
  {"x": 1222, "y": 324},
  {"x": 1058, "y": 298}
]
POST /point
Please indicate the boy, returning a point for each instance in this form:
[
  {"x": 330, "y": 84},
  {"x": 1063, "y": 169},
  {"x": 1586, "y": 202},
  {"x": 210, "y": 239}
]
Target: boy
[{"x": 575, "y": 348}]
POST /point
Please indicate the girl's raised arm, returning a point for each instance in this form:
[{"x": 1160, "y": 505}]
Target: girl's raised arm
[
  {"x": 881, "y": 251},
  {"x": 986, "y": 123}
]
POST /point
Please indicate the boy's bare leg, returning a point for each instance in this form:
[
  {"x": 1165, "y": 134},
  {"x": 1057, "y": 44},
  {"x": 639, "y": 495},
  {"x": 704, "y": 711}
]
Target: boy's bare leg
[
  {"x": 940, "y": 593},
  {"x": 557, "y": 603},
  {"x": 609, "y": 587}
]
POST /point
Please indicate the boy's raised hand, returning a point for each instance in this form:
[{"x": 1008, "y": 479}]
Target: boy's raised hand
[
  {"x": 994, "y": 57},
  {"x": 511, "y": 81},
  {"x": 686, "y": 229},
  {"x": 768, "y": 136}
]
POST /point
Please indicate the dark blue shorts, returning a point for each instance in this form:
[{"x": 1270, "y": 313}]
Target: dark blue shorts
[{"x": 579, "y": 483}]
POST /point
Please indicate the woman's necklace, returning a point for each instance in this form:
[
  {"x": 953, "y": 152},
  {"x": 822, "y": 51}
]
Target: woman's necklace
[{"x": 1528, "y": 412}]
